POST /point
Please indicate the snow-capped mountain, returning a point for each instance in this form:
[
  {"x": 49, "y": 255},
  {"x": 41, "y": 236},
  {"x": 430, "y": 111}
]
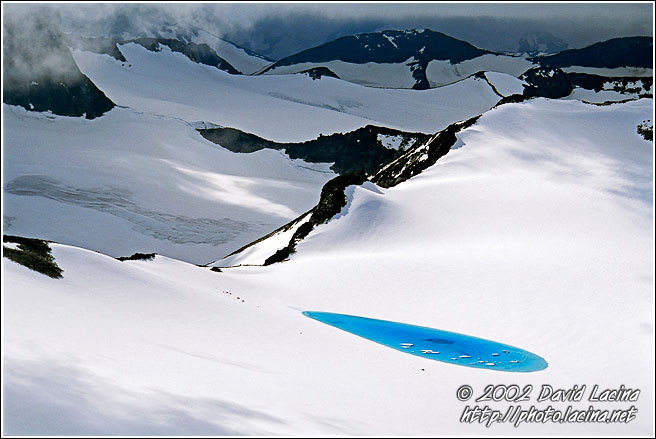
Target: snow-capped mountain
[{"x": 417, "y": 59}]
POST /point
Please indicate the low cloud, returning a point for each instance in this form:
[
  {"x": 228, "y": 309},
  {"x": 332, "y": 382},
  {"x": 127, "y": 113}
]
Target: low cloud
[{"x": 278, "y": 30}]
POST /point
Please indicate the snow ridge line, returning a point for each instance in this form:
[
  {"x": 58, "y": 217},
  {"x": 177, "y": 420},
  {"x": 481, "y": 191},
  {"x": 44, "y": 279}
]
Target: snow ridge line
[
  {"x": 331, "y": 202},
  {"x": 417, "y": 159}
]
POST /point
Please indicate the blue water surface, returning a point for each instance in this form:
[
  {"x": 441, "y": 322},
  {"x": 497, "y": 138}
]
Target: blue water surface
[{"x": 435, "y": 344}]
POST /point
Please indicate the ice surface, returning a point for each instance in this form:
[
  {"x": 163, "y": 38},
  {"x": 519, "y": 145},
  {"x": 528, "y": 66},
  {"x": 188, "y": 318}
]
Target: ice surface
[
  {"x": 505, "y": 84},
  {"x": 615, "y": 72},
  {"x": 538, "y": 232},
  {"x": 129, "y": 182},
  {"x": 283, "y": 108},
  {"x": 441, "y": 73}
]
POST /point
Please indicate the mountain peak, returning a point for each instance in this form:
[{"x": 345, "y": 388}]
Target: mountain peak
[{"x": 415, "y": 47}]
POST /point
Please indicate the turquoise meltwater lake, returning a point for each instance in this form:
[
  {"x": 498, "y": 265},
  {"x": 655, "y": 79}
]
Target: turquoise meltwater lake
[{"x": 435, "y": 344}]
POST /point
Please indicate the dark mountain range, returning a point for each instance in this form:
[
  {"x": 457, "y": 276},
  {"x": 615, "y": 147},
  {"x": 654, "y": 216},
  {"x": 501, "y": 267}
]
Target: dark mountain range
[
  {"x": 618, "y": 52},
  {"x": 389, "y": 47}
]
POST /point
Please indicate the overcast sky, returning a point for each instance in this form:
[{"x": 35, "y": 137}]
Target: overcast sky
[{"x": 278, "y": 30}]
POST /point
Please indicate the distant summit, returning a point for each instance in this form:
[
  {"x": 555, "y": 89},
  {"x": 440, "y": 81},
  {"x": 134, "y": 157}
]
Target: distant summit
[
  {"x": 614, "y": 53},
  {"x": 389, "y": 46},
  {"x": 414, "y": 48},
  {"x": 540, "y": 42}
]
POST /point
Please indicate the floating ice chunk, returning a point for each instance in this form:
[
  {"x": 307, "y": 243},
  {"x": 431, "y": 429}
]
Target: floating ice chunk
[
  {"x": 489, "y": 364},
  {"x": 465, "y": 356},
  {"x": 505, "y": 351},
  {"x": 495, "y": 354}
]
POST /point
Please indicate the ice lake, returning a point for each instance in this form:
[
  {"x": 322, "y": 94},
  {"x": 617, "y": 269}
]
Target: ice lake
[{"x": 435, "y": 344}]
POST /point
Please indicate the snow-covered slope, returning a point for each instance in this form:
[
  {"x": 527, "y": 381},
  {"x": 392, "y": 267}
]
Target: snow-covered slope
[
  {"x": 536, "y": 232},
  {"x": 258, "y": 252},
  {"x": 129, "y": 182},
  {"x": 401, "y": 59},
  {"x": 598, "y": 97},
  {"x": 243, "y": 60},
  {"x": 400, "y": 75},
  {"x": 284, "y": 108},
  {"x": 613, "y": 90},
  {"x": 377, "y": 58},
  {"x": 505, "y": 84},
  {"x": 440, "y": 73},
  {"x": 371, "y": 74}
]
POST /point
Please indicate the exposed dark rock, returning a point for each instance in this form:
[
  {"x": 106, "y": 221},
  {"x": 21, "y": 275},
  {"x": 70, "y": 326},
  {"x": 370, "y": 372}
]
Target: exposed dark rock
[
  {"x": 359, "y": 149},
  {"x": 40, "y": 73},
  {"x": 138, "y": 257},
  {"x": 421, "y": 156},
  {"x": 332, "y": 197},
  {"x": 198, "y": 53},
  {"x": 511, "y": 99},
  {"x": 279, "y": 256},
  {"x": 620, "y": 84},
  {"x": 100, "y": 45},
  {"x": 546, "y": 82},
  {"x": 331, "y": 202},
  {"x": 553, "y": 83},
  {"x": 319, "y": 72},
  {"x": 33, "y": 254},
  {"x": 646, "y": 130}
]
